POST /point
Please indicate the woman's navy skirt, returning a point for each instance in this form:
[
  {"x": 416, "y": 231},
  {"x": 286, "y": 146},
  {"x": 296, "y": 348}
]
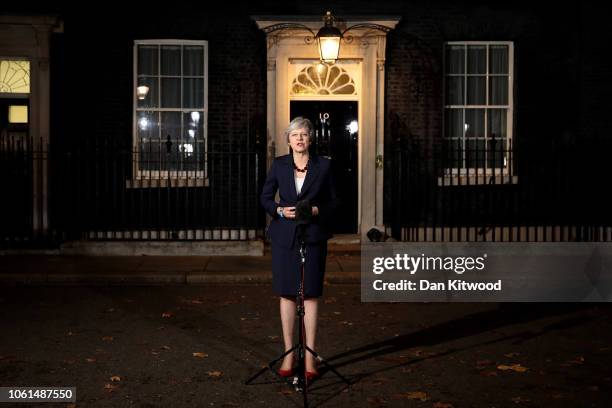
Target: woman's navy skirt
[{"x": 286, "y": 269}]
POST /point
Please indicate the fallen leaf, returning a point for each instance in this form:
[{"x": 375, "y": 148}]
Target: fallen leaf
[
  {"x": 510, "y": 355},
  {"x": 69, "y": 333},
  {"x": 107, "y": 338},
  {"x": 165, "y": 348},
  {"x": 391, "y": 359},
  {"x": 514, "y": 367},
  {"x": 413, "y": 395},
  {"x": 110, "y": 387},
  {"x": 442, "y": 405},
  {"x": 482, "y": 364},
  {"x": 330, "y": 300},
  {"x": 337, "y": 313},
  {"x": 196, "y": 302},
  {"x": 167, "y": 314},
  {"x": 200, "y": 354},
  {"x": 215, "y": 373},
  {"x": 229, "y": 404},
  {"x": 379, "y": 380},
  {"x": 577, "y": 361},
  {"x": 421, "y": 353},
  {"x": 520, "y": 400},
  {"x": 90, "y": 360},
  {"x": 274, "y": 338},
  {"x": 377, "y": 401},
  {"x": 488, "y": 373},
  {"x": 115, "y": 378}
]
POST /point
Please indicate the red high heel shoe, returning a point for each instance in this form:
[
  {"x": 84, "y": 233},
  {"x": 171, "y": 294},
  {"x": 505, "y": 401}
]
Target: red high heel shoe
[
  {"x": 286, "y": 373},
  {"x": 311, "y": 376}
]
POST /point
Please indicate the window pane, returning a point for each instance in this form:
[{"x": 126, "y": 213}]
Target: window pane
[
  {"x": 474, "y": 123},
  {"x": 193, "y": 137},
  {"x": 171, "y": 125},
  {"x": 476, "y": 90},
  {"x": 148, "y": 140},
  {"x": 453, "y": 123},
  {"x": 193, "y": 93},
  {"x": 193, "y": 125},
  {"x": 477, "y": 59},
  {"x": 498, "y": 90},
  {"x": 454, "y": 90},
  {"x": 171, "y": 93},
  {"x": 455, "y": 59},
  {"x": 171, "y": 60},
  {"x": 497, "y": 123},
  {"x": 148, "y": 125},
  {"x": 475, "y": 153},
  {"x": 14, "y": 76},
  {"x": 498, "y": 56},
  {"x": 147, "y": 59},
  {"x": 193, "y": 60},
  {"x": 152, "y": 98}
]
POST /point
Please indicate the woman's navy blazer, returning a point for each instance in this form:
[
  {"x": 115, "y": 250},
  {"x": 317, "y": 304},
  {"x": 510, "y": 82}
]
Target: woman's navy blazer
[{"x": 318, "y": 188}]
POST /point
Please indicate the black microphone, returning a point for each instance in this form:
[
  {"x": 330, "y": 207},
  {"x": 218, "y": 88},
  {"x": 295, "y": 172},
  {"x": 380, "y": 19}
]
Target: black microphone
[{"x": 303, "y": 212}]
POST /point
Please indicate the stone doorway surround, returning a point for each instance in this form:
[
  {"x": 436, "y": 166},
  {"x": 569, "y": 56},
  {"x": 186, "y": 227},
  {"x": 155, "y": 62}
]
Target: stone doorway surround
[
  {"x": 29, "y": 37},
  {"x": 368, "y": 49}
]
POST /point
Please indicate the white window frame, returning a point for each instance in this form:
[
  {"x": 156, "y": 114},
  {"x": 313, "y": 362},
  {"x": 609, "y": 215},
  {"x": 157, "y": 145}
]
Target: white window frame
[
  {"x": 161, "y": 178},
  {"x": 482, "y": 175}
]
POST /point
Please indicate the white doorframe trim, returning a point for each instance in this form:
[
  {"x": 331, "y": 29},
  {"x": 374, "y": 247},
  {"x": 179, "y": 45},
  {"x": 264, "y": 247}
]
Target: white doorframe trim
[{"x": 367, "y": 46}]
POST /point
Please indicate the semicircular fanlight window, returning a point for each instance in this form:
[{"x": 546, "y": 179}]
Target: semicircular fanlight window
[{"x": 321, "y": 79}]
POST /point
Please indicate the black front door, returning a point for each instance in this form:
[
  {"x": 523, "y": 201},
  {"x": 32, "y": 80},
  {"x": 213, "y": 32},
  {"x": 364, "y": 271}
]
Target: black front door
[{"x": 335, "y": 136}]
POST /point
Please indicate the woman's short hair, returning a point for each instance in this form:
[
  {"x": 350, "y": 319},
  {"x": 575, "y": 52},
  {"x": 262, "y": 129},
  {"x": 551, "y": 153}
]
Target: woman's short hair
[{"x": 297, "y": 123}]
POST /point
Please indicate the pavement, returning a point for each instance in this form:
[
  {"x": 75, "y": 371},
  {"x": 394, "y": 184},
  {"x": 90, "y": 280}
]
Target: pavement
[
  {"x": 161, "y": 331},
  {"x": 194, "y": 346},
  {"x": 343, "y": 266}
]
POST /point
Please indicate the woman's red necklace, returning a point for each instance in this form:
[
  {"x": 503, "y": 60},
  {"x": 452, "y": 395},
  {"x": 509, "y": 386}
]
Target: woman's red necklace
[{"x": 300, "y": 170}]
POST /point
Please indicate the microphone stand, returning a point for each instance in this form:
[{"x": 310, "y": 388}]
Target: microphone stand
[{"x": 299, "y": 381}]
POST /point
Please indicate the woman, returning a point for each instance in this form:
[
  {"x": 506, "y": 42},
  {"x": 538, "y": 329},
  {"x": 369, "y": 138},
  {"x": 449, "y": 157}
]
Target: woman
[{"x": 298, "y": 176}]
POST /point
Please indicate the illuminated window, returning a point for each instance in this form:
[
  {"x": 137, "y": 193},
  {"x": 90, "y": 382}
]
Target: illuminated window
[
  {"x": 478, "y": 108},
  {"x": 18, "y": 114},
  {"x": 321, "y": 79},
  {"x": 170, "y": 128},
  {"x": 14, "y": 76}
]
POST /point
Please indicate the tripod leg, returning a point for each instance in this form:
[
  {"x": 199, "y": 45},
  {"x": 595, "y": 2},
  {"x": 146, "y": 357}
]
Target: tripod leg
[
  {"x": 329, "y": 366},
  {"x": 270, "y": 365}
]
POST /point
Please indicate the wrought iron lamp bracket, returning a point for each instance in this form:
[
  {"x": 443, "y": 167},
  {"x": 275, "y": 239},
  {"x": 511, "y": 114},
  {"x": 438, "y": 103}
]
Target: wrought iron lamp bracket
[
  {"x": 291, "y": 26},
  {"x": 349, "y": 38}
]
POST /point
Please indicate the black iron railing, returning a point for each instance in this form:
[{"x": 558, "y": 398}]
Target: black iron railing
[
  {"x": 107, "y": 191},
  {"x": 482, "y": 192}
]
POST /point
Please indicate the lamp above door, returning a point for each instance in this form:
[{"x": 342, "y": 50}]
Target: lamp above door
[{"x": 328, "y": 37}]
